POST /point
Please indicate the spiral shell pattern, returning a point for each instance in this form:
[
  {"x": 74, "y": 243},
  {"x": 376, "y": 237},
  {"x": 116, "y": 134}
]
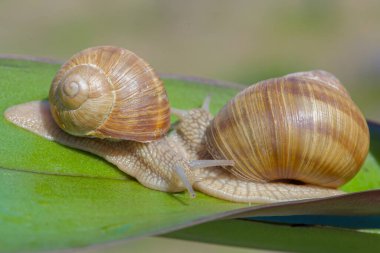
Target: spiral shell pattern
[
  {"x": 110, "y": 92},
  {"x": 302, "y": 128}
]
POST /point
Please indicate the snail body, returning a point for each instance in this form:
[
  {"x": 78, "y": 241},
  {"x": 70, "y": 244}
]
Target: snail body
[{"x": 181, "y": 160}]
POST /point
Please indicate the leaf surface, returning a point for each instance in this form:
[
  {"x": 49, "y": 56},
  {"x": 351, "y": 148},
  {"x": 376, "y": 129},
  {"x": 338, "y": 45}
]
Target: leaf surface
[{"x": 54, "y": 197}]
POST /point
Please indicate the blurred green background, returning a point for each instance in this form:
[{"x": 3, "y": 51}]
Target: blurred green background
[{"x": 239, "y": 41}]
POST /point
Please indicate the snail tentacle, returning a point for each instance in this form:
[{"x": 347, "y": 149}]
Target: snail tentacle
[
  {"x": 182, "y": 114},
  {"x": 206, "y": 103},
  {"x": 198, "y": 164},
  {"x": 178, "y": 112},
  {"x": 182, "y": 175}
]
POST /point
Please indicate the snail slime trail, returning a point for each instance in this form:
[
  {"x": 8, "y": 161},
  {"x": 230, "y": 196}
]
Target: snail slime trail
[{"x": 101, "y": 95}]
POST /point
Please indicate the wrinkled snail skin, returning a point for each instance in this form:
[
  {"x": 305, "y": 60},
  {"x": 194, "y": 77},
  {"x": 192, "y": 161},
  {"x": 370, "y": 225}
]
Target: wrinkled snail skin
[
  {"x": 150, "y": 163},
  {"x": 190, "y": 133},
  {"x": 138, "y": 159},
  {"x": 280, "y": 142},
  {"x": 222, "y": 184}
]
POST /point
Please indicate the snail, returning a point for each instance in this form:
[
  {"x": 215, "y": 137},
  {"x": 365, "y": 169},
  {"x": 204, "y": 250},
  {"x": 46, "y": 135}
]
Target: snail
[{"x": 295, "y": 137}]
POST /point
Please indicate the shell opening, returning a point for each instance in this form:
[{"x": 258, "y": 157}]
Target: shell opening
[{"x": 288, "y": 181}]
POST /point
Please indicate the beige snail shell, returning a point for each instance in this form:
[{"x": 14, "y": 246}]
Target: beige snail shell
[
  {"x": 110, "y": 92},
  {"x": 300, "y": 128}
]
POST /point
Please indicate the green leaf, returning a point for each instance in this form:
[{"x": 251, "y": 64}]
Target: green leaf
[
  {"x": 54, "y": 197},
  {"x": 59, "y": 211},
  {"x": 369, "y": 175},
  {"x": 280, "y": 237}
]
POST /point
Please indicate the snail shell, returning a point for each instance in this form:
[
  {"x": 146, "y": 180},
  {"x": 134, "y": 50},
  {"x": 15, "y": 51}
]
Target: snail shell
[
  {"x": 110, "y": 92},
  {"x": 302, "y": 127}
]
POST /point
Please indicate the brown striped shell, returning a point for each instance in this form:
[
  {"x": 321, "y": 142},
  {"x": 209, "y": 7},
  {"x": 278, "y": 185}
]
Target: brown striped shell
[
  {"x": 302, "y": 127},
  {"x": 110, "y": 92}
]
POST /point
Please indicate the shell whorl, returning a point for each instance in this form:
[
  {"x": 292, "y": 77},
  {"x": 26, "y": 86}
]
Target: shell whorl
[
  {"x": 110, "y": 92},
  {"x": 292, "y": 128}
]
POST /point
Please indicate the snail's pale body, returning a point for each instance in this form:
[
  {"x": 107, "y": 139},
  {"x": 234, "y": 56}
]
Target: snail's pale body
[
  {"x": 174, "y": 162},
  {"x": 129, "y": 157}
]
